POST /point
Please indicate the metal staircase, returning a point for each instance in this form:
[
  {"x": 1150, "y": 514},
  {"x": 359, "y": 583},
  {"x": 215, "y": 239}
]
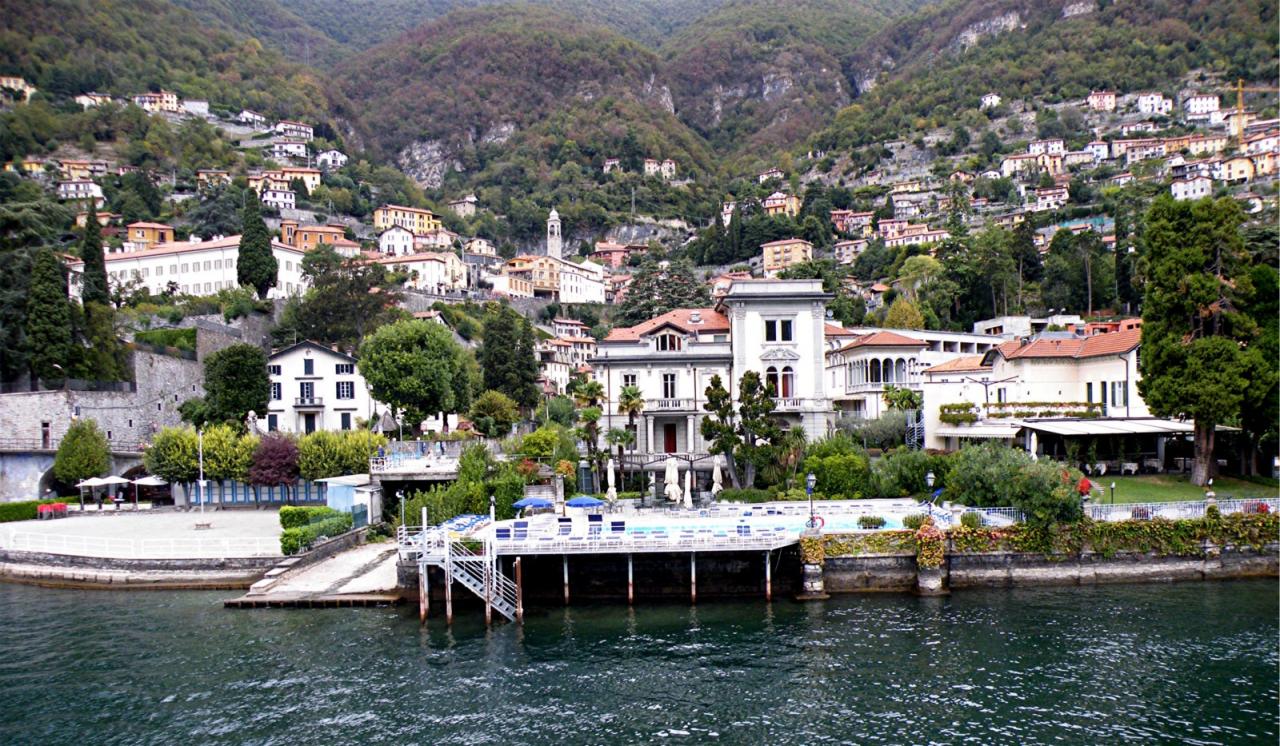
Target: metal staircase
[
  {"x": 915, "y": 429},
  {"x": 476, "y": 571}
]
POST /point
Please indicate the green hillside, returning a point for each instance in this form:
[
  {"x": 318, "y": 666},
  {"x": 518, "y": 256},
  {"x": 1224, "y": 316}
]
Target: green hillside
[
  {"x": 754, "y": 75},
  {"x": 926, "y": 79},
  {"x": 128, "y": 46}
]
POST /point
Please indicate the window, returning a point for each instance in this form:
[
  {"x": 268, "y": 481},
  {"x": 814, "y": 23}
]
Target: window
[
  {"x": 668, "y": 385},
  {"x": 346, "y": 389},
  {"x": 277, "y": 391},
  {"x": 1119, "y": 394},
  {"x": 788, "y": 382},
  {"x": 272, "y": 423},
  {"x": 668, "y": 342},
  {"x": 628, "y": 379},
  {"x": 345, "y": 369},
  {"x": 309, "y": 367},
  {"x": 346, "y": 420},
  {"x": 778, "y": 330},
  {"x": 273, "y": 370},
  {"x": 307, "y": 390},
  {"x": 1088, "y": 392},
  {"x": 208, "y": 265},
  {"x": 1002, "y": 395},
  {"x": 173, "y": 269},
  {"x": 186, "y": 267},
  {"x": 159, "y": 271},
  {"x": 217, "y": 264},
  {"x": 771, "y": 380}
]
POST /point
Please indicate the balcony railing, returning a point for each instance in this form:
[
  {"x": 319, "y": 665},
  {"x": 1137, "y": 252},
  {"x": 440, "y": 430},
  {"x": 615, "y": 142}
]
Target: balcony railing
[
  {"x": 309, "y": 402},
  {"x": 787, "y": 404},
  {"x": 667, "y": 405}
]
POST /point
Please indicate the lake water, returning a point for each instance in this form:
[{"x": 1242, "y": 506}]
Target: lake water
[{"x": 1187, "y": 663}]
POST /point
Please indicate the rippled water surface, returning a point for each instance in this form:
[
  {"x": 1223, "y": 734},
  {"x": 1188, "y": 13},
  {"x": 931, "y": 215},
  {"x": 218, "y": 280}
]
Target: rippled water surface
[{"x": 1190, "y": 663}]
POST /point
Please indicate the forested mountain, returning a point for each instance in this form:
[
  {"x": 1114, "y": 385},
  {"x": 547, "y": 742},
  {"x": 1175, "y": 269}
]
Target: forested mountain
[
  {"x": 928, "y": 70},
  {"x": 754, "y": 75},
  {"x": 432, "y": 97},
  {"x": 124, "y": 47}
]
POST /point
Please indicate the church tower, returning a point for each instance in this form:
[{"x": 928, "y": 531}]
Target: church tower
[{"x": 553, "y": 234}]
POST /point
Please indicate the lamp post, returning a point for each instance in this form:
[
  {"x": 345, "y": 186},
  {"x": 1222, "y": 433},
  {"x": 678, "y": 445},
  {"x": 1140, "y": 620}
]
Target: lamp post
[
  {"x": 200, "y": 451},
  {"x": 493, "y": 508},
  {"x": 1113, "y": 493},
  {"x": 400, "y": 494},
  {"x": 929, "y": 479},
  {"x": 809, "y": 481}
]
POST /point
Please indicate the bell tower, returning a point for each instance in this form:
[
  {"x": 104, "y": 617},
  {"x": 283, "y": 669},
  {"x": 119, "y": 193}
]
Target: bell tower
[{"x": 553, "y": 234}]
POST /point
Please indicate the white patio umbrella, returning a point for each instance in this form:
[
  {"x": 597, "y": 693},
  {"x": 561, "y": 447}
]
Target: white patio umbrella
[
  {"x": 147, "y": 481},
  {"x": 112, "y": 480},
  {"x": 671, "y": 481},
  {"x": 612, "y": 494},
  {"x": 91, "y": 482},
  {"x": 688, "y": 489},
  {"x": 717, "y": 479}
]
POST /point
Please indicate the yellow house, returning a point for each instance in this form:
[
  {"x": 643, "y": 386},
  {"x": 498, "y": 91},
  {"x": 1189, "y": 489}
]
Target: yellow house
[
  {"x": 778, "y": 255},
  {"x": 307, "y": 237},
  {"x": 310, "y": 176},
  {"x": 1264, "y": 163},
  {"x": 17, "y": 83},
  {"x": 1238, "y": 168},
  {"x": 542, "y": 271},
  {"x": 780, "y": 203},
  {"x": 207, "y": 177},
  {"x": 104, "y": 218},
  {"x": 417, "y": 221},
  {"x": 145, "y": 235},
  {"x": 158, "y": 101}
]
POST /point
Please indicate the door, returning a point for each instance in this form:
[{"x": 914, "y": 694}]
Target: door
[
  {"x": 309, "y": 423},
  {"x": 669, "y": 438}
]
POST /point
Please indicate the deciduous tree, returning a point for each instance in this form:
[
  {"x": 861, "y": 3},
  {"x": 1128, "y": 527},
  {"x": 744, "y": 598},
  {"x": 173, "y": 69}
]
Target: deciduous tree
[
  {"x": 83, "y": 453},
  {"x": 417, "y": 368}
]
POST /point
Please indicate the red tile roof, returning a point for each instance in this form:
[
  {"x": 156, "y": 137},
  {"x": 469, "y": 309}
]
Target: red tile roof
[
  {"x": 960, "y": 365},
  {"x": 1112, "y": 343},
  {"x": 712, "y": 321},
  {"x": 833, "y": 330},
  {"x": 884, "y": 339}
]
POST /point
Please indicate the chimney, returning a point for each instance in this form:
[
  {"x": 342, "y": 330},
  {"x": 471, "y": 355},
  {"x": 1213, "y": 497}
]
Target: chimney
[{"x": 695, "y": 317}]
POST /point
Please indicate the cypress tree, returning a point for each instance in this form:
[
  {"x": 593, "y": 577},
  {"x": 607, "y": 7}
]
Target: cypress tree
[
  {"x": 256, "y": 266},
  {"x": 95, "y": 289},
  {"x": 48, "y": 323}
]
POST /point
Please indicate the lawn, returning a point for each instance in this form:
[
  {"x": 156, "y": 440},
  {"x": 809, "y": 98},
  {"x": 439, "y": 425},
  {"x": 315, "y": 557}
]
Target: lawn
[{"x": 1158, "y": 488}]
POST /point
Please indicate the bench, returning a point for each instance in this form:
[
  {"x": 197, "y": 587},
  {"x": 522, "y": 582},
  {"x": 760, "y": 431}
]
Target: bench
[{"x": 204, "y": 526}]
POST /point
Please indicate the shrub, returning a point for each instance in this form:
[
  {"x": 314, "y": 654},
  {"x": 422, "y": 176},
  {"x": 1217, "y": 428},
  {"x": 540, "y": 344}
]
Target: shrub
[
  {"x": 870, "y": 522},
  {"x": 914, "y": 521},
  {"x": 182, "y": 339},
  {"x": 298, "y": 539},
  {"x": 745, "y": 495},
  {"x": 903, "y": 472},
  {"x": 990, "y": 475},
  {"x": 929, "y": 546},
  {"x": 840, "y": 465},
  {"x": 887, "y": 432},
  {"x": 971, "y": 520},
  {"x": 294, "y": 516}
]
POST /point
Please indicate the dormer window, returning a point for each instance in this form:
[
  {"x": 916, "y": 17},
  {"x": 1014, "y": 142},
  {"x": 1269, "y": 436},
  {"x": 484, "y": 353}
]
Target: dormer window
[{"x": 668, "y": 342}]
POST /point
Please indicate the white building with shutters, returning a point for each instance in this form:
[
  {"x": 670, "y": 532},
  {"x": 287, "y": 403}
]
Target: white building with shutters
[{"x": 316, "y": 388}]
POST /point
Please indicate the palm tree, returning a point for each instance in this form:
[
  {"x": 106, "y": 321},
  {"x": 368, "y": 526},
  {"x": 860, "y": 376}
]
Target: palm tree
[
  {"x": 620, "y": 438},
  {"x": 630, "y": 403},
  {"x": 587, "y": 396}
]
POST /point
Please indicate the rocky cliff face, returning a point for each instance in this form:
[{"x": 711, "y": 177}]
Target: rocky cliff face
[{"x": 427, "y": 162}]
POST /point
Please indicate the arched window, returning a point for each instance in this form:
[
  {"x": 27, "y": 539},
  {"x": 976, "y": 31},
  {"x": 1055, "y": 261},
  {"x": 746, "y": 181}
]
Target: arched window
[
  {"x": 668, "y": 342},
  {"x": 771, "y": 379},
  {"x": 900, "y": 371},
  {"x": 788, "y": 382},
  {"x": 875, "y": 372}
]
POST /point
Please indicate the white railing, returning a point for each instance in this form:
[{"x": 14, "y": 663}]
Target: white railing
[
  {"x": 998, "y": 516},
  {"x": 628, "y": 542},
  {"x": 672, "y": 404},
  {"x": 120, "y": 548},
  {"x": 1177, "y": 510}
]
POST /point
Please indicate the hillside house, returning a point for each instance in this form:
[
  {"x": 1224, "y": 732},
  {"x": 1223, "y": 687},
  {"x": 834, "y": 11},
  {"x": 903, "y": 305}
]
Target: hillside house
[
  {"x": 652, "y": 167},
  {"x": 779, "y": 255},
  {"x": 142, "y": 235},
  {"x": 416, "y": 220},
  {"x": 1101, "y": 100},
  {"x": 281, "y": 199},
  {"x": 296, "y": 130},
  {"x": 17, "y": 84},
  {"x": 286, "y": 147},
  {"x": 1053, "y": 198},
  {"x": 316, "y": 388},
  {"x": 990, "y": 101},
  {"x": 331, "y": 160},
  {"x": 92, "y": 98},
  {"x": 668, "y": 169},
  {"x": 781, "y": 203},
  {"x": 769, "y": 175},
  {"x": 1053, "y": 145},
  {"x": 1200, "y": 105},
  {"x": 395, "y": 241},
  {"x": 80, "y": 189},
  {"x": 1154, "y": 103},
  {"x": 464, "y": 207},
  {"x": 158, "y": 101},
  {"x": 251, "y": 118},
  {"x": 207, "y": 178},
  {"x": 1196, "y": 187},
  {"x": 612, "y": 164}
]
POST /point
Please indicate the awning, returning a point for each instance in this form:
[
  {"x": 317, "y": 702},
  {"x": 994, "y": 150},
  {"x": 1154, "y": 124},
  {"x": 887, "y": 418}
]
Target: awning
[
  {"x": 999, "y": 432},
  {"x": 1104, "y": 426}
]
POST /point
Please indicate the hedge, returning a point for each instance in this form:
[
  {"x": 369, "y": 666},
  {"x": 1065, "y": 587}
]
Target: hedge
[
  {"x": 296, "y": 517},
  {"x": 745, "y": 495},
  {"x": 300, "y": 538},
  {"x": 23, "y": 511}
]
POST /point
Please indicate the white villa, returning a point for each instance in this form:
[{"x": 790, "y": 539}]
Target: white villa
[
  {"x": 316, "y": 388},
  {"x": 1055, "y": 384},
  {"x": 773, "y": 327},
  {"x": 859, "y": 370},
  {"x": 194, "y": 267}
]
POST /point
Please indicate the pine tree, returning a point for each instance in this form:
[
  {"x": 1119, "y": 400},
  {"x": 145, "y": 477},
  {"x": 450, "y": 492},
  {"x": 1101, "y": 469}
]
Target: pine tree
[
  {"x": 1197, "y": 358},
  {"x": 656, "y": 289},
  {"x": 95, "y": 288},
  {"x": 49, "y": 318},
  {"x": 256, "y": 265},
  {"x": 507, "y": 359}
]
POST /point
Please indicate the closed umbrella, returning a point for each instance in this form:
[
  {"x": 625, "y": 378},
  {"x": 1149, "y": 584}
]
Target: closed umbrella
[
  {"x": 688, "y": 489},
  {"x": 612, "y": 494},
  {"x": 671, "y": 481},
  {"x": 717, "y": 479}
]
